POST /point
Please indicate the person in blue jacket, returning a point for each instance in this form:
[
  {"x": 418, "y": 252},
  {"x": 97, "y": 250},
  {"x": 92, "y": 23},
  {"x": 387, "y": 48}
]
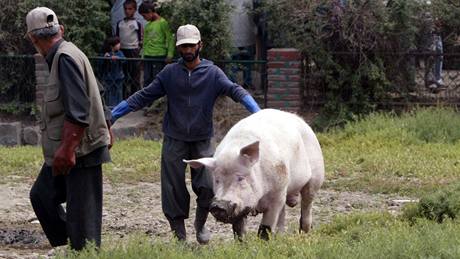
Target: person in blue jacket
[
  {"x": 192, "y": 86},
  {"x": 113, "y": 76}
]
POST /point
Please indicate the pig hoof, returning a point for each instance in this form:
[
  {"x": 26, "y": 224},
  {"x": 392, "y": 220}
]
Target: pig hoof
[
  {"x": 264, "y": 232},
  {"x": 203, "y": 236}
]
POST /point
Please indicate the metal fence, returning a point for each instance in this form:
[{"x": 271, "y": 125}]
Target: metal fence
[
  {"x": 251, "y": 74},
  {"x": 412, "y": 78},
  {"x": 17, "y": 83}
]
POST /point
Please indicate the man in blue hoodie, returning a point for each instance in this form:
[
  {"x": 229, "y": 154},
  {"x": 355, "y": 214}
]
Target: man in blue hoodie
[{"x": 192, "y": 86}]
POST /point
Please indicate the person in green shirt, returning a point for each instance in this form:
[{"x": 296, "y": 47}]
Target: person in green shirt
[{"x": 158, "y": 42}]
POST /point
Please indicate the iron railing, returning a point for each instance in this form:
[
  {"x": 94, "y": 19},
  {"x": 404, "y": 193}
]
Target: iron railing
[
  {"x": 411, "y": 76},
  {"x": 17, "y": 83},
  {"x": 411, "y": 80}
]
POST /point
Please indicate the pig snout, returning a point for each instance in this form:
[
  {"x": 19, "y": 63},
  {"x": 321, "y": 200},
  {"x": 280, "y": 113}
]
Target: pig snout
[
  {"x": 227, "y": 211},
  {"x": 223, "y": 210}
]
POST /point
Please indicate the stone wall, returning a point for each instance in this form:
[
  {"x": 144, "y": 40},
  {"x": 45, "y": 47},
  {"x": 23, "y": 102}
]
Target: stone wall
[{"x": 15, "y": 133}]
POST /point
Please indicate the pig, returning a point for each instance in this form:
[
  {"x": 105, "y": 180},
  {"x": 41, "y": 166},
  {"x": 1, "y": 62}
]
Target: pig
[{"x": 266, "y": 161}]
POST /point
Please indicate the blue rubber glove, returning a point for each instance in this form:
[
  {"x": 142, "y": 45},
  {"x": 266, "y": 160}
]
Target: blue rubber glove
[
  {"x": 250, "y": 104},
  {"x": 120, "y": 110}
]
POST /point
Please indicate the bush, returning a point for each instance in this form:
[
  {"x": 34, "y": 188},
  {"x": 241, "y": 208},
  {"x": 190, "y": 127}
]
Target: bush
[
  {"x": 438, "y": 206},
  {"x": 86, "y": 22},
  {"x": 434, "y": 125},
  {"x": 354, "y": 54}
]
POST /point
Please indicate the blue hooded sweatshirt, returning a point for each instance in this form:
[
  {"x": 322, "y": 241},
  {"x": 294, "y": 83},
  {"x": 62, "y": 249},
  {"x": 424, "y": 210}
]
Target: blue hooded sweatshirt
[{"x": 191, "y": 96}]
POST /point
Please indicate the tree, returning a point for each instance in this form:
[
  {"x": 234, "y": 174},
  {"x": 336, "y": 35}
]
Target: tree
[
  {"x": 86, "y": 22},
  {"x": 356, "y": 50}
]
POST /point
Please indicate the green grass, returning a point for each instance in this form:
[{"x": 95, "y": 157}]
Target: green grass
[
  {"x": 384, "y": 153},
  {"x": 438, "y": 205},
  {"x": 133, "y": 161},
  {"x": 354, "y": 236},
  {"x": 19, "y": 162}
]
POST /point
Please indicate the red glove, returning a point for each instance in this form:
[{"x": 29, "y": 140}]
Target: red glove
[{"x": 64, "y": 157}]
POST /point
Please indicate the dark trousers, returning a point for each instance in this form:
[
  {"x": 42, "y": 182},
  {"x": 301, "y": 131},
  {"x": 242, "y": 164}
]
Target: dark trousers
[
  {"x": 152, "y": 68},
  {"x": 131, "y": 70},
  {"x": 175, "y": 197},
  {"x": 81, "y": 189}
]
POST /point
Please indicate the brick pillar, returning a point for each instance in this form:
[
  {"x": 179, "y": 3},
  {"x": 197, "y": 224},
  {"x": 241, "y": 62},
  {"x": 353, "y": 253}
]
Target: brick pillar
[
  {"x": 41, "y": 77},
  {"x": 284, "y": 79}
]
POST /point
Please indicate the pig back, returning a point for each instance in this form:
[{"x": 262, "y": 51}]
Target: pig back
[{"x": 286, "y": 141}]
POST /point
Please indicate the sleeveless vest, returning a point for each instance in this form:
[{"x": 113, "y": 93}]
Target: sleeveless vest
[{"x": 96, "y": 134}]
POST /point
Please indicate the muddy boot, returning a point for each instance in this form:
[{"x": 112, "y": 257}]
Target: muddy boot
[
  {"x": 178, "y": 227},
  {"x": 202, "y": 233}
]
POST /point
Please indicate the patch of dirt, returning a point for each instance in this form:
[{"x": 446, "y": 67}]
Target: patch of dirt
[{"x": 137, "y": 208}]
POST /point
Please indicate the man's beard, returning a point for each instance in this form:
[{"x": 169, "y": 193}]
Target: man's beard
[{"x": 190, "y": 57}]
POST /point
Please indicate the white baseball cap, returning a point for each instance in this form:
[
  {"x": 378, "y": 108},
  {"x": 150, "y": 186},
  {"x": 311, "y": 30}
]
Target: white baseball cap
[
  {"x": 188, "y": 34},
  {"x": 41, "y": 17}
]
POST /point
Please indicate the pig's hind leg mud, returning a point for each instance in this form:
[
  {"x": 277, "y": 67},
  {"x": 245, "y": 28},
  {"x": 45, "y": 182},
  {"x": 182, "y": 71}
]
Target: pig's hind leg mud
[{"x": 308, "y": 192}]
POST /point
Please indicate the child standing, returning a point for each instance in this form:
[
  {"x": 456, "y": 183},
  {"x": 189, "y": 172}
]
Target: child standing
[
  {"x": 158, "y": 42},
  {"x": 113, "y": 75},
  {"x": 130, "y": 31}
]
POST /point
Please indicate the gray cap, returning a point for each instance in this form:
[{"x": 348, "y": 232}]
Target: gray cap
[
  {"x": 188, "y": 34},
  {"x": 41, "y": 17}
]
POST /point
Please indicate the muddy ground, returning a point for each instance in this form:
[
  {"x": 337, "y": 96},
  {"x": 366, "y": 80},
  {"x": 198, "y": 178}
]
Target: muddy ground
[{"x": 137, "y": 208}]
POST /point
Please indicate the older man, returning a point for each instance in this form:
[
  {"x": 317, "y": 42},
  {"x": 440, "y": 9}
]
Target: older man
[
  {"x": 75, "y": 139},
  {"x": 192, "y": 86}
]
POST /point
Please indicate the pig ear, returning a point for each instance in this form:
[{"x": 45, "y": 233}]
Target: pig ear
[
  {"x": 251, "y": 152},
  {"x": 208, "y": 162}
]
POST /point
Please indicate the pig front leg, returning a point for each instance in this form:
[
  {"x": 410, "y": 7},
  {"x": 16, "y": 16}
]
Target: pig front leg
[
  {"x": 270, "y": 218},
  {"x": 281, "y": 218},
  {"x": 239, "y": 228}
]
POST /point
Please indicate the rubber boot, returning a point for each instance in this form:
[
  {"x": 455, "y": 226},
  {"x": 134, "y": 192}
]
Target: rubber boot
[
  {"x": 178, "y": 227},
  {"x": 202, "y": 233}
]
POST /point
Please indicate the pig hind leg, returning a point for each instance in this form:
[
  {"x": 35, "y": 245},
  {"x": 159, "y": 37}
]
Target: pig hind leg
[{"x": 308, "y": 192}]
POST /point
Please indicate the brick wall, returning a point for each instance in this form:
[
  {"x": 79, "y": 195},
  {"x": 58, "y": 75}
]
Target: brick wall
[{"x": 284, "y": 90}]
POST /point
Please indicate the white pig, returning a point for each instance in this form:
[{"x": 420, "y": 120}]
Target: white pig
[{"x": 265, "y": 161}]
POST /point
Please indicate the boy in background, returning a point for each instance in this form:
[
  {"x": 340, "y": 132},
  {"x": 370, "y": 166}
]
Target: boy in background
[
  {"x": 130, "y": 32},
  {"x": 113, "y": 75},
  {"x": 158, "y": 42}
]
